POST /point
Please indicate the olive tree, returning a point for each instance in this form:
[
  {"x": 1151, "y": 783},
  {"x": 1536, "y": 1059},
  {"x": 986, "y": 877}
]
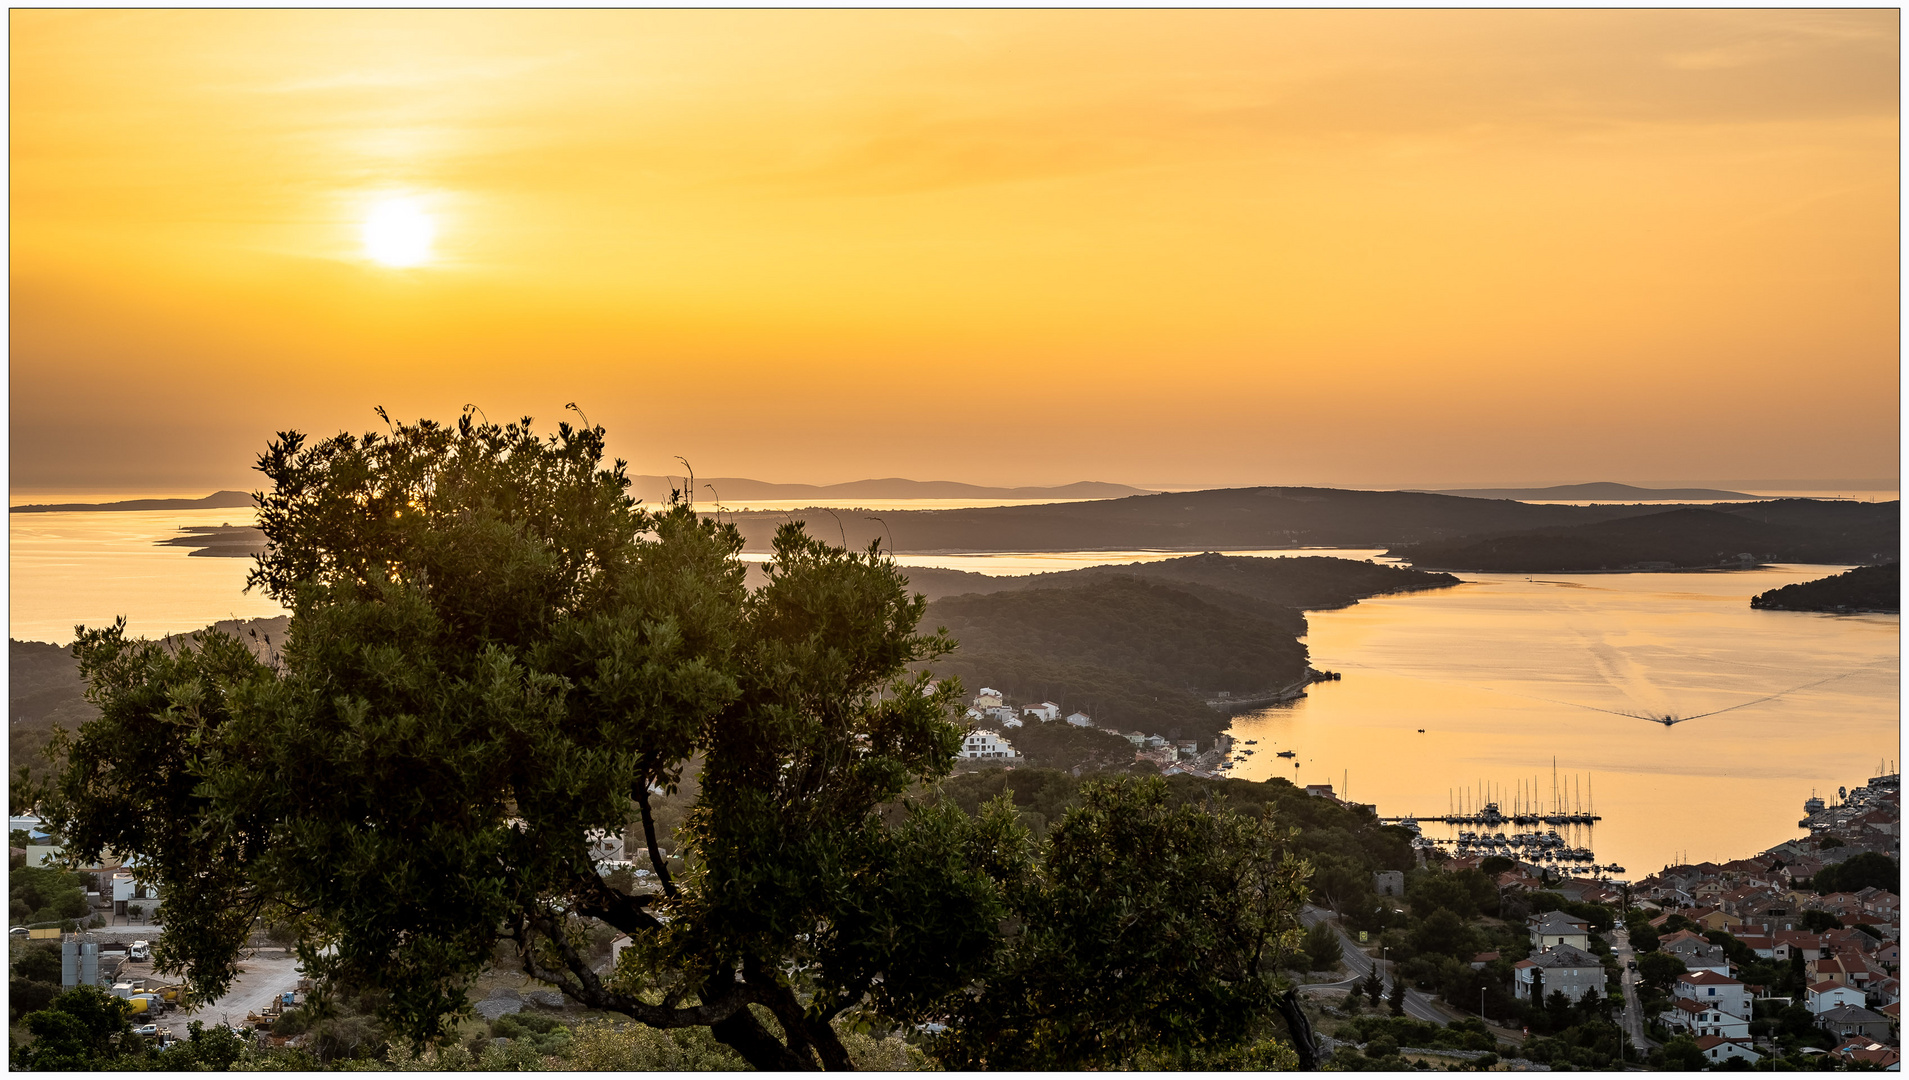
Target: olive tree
[{"x": 495, "y": 654}]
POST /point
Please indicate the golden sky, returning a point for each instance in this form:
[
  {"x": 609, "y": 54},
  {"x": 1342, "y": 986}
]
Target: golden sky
[{"x": 1203, "y": 247}]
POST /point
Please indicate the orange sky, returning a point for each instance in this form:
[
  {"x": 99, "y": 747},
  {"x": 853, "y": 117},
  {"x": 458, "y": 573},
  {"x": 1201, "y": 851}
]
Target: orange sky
[{"x": 1215, "y": 247}]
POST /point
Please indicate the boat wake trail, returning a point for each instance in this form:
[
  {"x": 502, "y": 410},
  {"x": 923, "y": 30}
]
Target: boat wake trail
[{"x": 1666, "y": 719}]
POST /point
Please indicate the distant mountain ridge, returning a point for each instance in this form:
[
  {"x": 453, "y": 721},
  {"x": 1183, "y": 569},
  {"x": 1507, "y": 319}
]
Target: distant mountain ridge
[
  {"x": 1599, "y": 492},
  {"x": 218, "y": 500},
  {"x": 894, "y": 487}
]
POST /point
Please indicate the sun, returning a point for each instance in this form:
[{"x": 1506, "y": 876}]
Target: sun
[{"x": 399, "y": 232}]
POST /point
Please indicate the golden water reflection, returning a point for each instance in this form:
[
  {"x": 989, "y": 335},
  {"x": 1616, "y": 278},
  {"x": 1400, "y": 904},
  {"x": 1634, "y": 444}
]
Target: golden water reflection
[{"x": 1499, "y": 673}]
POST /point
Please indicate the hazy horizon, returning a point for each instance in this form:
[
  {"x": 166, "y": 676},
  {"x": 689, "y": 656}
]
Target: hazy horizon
[{"x": 1384, "y": 248}]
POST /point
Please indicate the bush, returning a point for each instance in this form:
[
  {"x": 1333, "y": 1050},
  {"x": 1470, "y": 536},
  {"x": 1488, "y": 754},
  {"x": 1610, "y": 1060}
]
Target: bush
[
  {"x": 603, "y": 1047},
  {"x": 26, "y": 995},
  {"x": 1382, "y": 1046}
]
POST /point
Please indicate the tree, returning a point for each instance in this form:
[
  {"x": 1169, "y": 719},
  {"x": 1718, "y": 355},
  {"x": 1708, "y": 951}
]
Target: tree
[
  {"x": 39, "y": 961},
  {"x": 1493, "y": 865},
  {"x": 1373, "y": 985},
  {"x": 1322, "y": 947},
  {"x": 1818, "y": 921},
  {"x": 1680, "y": 1054},
  {"x": 81, "y": 1029},
  {"x": 1643, "y": 937},
  {"x": 1396, "y": 999},
  {"x": 1147, "y": 928},
  {"x": 1660, "y": 969},
  {"x": 1444, "y": 934},
  {"x": 495, "y": 652}
]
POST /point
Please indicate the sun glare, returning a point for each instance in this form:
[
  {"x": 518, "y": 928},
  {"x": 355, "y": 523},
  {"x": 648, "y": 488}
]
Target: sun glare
[{"x": 398, "y": 232}]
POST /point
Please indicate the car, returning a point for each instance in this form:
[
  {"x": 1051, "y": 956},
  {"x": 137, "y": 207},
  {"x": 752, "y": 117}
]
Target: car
[
  {"x": 146, "y": 1029},
  {"x": 17, "y": 931}
]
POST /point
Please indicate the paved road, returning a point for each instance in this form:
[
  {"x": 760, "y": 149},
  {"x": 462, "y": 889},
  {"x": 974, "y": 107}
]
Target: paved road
[
  {"x": 1633, "y": 1018},
  {"x": 1418, "y": 1006}
]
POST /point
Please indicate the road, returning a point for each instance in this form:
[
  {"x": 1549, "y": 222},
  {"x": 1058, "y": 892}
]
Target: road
[
  {"x": 1633, "y": 1018},
  {"x": 1418, "y": 1006}
]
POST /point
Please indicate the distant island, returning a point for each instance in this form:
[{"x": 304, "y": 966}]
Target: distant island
[
  {"x": 1602, "y": 492},
  {"x": 218, "y": 500},
  {"x": 1442, "y": 532},
  {"x": 710, "y": 489},
  {"x": 1686, "y": 538},
  {"x": 1864, "y": 589}
]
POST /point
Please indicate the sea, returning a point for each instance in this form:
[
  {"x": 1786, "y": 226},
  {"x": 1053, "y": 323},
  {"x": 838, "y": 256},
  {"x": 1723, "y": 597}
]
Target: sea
[{"x": 1515, "y": 689}]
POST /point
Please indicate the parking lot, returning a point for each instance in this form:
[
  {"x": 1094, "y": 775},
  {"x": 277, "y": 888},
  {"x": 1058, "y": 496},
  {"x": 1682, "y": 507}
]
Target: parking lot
[{"x": 262, "y": 978}]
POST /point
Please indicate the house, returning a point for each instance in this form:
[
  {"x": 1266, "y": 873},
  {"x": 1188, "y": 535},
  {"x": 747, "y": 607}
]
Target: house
[
  {"x": 1080, "y": 719},
  {"x": 1156, "y": 742},
  {"x": 1558, "y": 928},
  {"x": 1559, "y": 969},
  {"x": 1870, "y": 1053},
  {"x": 1188, "y": 748},
  {"x": 1321, "y": 791},
  {"x": 1791, "y": 942},
  {"x": 1717, "y": 1048},
  {"x": 1843, "y": 968},
  {"x": 1135, "y": 738},
  {"x": 1712, "y": 989},
  {"x": 1764, "y": 945},
  {"x": 1046, "y": 710},
  {"x": 1012, "y": 722},
  {"x": 984, "y": 744},
  {"x": 1824, "y": 996},
  {"x": 1699, "y": 1019},
  {"x": 989, "y": 698},
  {"x": 1480, "y": 960},
  {"x": 1695, "y": 951},
  {"x": 1845, "y": 1021}
]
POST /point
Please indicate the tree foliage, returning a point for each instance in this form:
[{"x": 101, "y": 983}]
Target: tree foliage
[
  {"x": 495, "y": 655},
  {"x": 1147, "y": 928},
  {"x": 495, "y": 652}
]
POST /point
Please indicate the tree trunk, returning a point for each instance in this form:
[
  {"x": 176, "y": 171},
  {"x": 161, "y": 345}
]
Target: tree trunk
[{"x": 744, "y": 1034}]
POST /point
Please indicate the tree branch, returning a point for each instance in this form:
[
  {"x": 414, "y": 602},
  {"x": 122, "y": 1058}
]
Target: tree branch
[{"x": 649, "y": 834}]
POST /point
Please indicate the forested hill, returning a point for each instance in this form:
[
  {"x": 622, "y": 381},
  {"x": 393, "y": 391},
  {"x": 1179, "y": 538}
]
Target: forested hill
[
  {"x": 1237, "y": 518},
  {"x": 1144, "y": 647},
  {"x": 1311, "y": 582},
  {"x": 1790, "y": 530},
  {"x": 44, "y": 688},
  {"x": 1866, "y": 588}
]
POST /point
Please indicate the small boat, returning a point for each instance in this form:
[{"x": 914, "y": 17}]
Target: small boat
[
  {"x": 1421, "y": 731},
  {"x": 1286, "y": 753},
  {"x": 1252, "y": 742}
]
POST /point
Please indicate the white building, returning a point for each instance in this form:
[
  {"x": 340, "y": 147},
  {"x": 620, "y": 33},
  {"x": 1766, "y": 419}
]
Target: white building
[
  {"x": 988, "y": 698},
  {"x": 1046, "y": 710},
  {"x": 1012, "y": 722},
  {"x": 986, "y": 745},
  {"x": 1080, "y": 719},
  {"x": 1714, "y": 990},
  {"x": 1701, "y": 1020},
  {"x": 1827, "y": 995},
  {"x": 1001, "y": 714},
  {"x": 1718, "y": 1048},
  {"x": 1567, "y": 970},
  {"x": 1136, "y": 738}
]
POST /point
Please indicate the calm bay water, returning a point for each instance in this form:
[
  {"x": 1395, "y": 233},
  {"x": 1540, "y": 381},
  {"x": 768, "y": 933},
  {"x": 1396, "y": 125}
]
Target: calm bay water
[
  {"x": 1499, "y": 672},
  {"x": 1503, "y": 672},
  {"x": 67, "y": 568}
]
